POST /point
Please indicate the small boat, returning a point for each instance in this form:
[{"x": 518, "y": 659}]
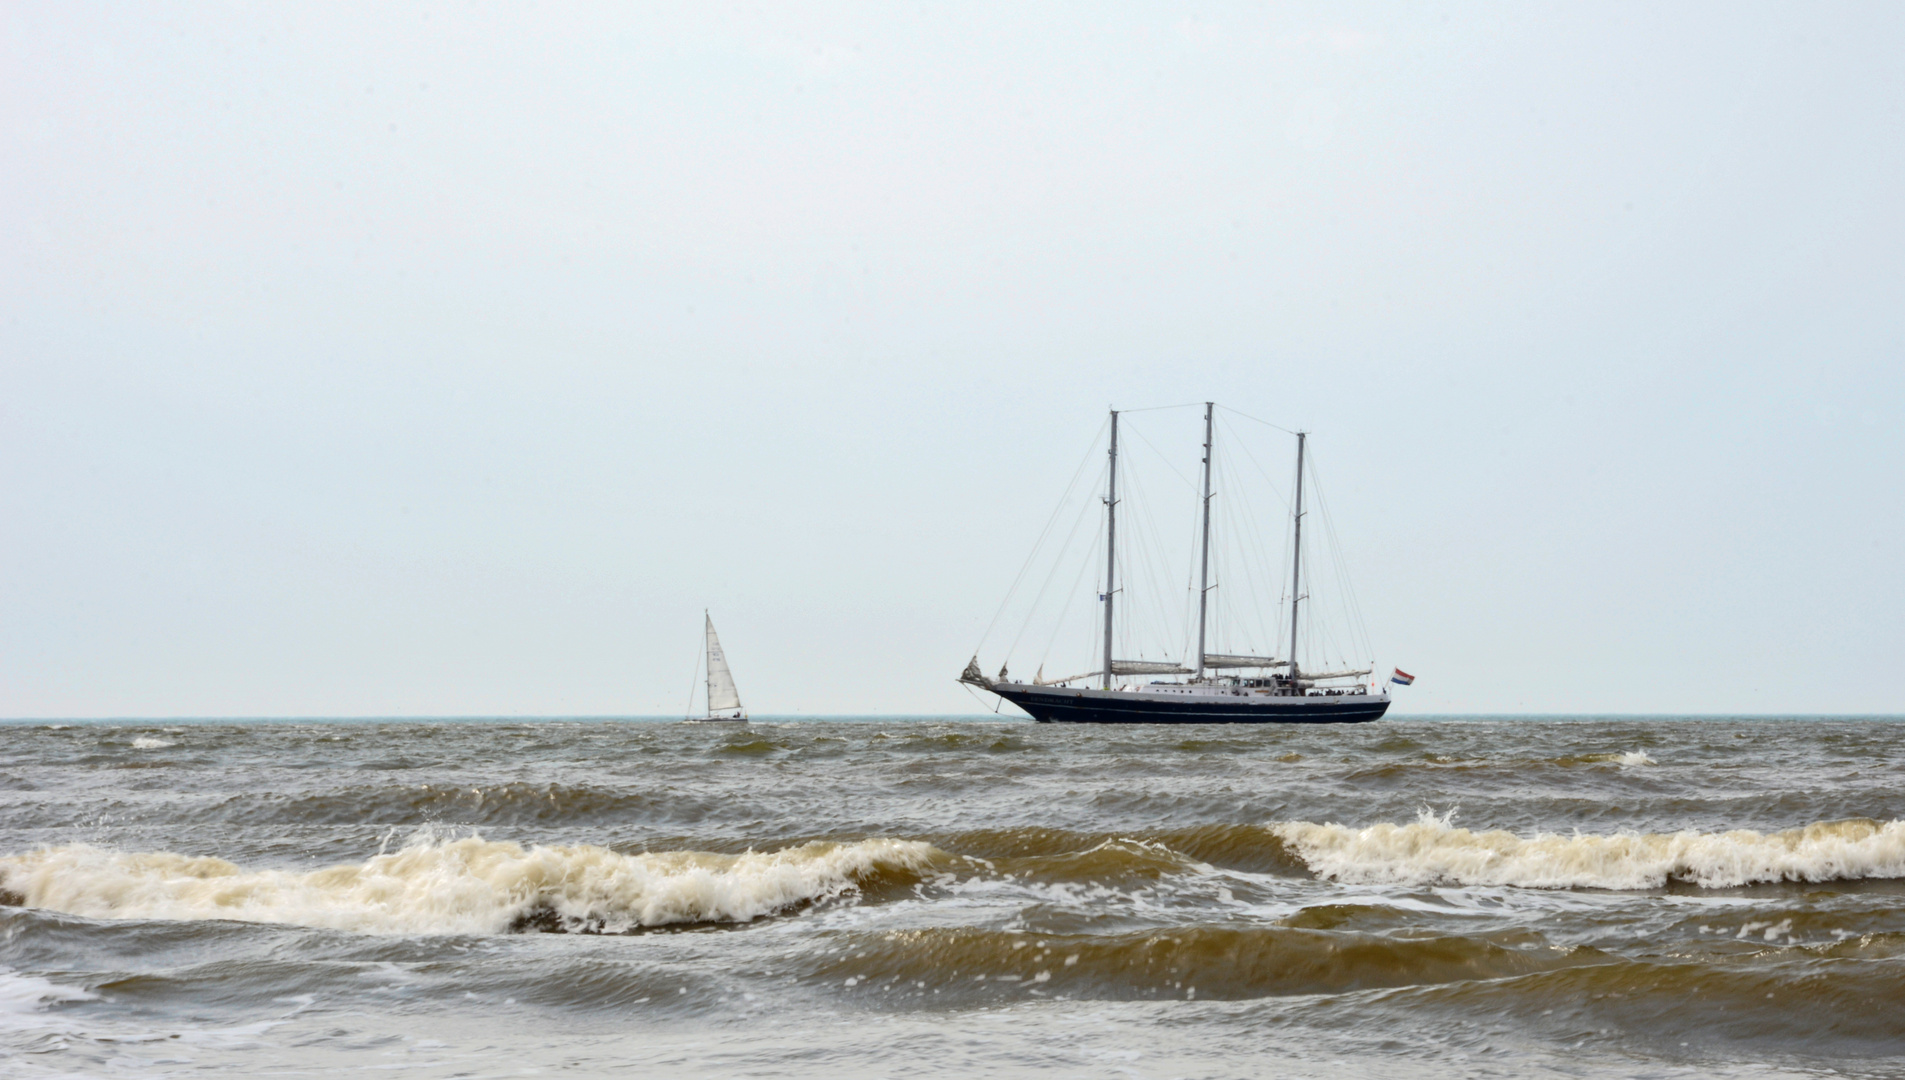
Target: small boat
[
  {"x": 724, "y": 701},
  {"x": 1222, "y": 688}
]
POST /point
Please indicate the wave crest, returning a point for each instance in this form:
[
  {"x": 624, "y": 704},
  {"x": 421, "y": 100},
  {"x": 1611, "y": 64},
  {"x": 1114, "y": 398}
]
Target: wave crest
[
  {"x": 460, "y": 886},
  {"x": 1432, "y": 851}
]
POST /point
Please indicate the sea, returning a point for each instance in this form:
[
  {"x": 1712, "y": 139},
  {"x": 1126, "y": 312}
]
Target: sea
[{"x": 1576, "y": 897}]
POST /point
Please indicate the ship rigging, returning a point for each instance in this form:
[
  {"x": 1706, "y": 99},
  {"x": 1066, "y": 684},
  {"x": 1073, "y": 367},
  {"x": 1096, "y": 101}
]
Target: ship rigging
[{"x": 1221, "y": 687}]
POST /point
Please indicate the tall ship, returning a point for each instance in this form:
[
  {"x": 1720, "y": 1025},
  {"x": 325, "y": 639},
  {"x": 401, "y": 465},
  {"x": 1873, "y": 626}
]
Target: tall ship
[{"x": 1206, "y": 686}]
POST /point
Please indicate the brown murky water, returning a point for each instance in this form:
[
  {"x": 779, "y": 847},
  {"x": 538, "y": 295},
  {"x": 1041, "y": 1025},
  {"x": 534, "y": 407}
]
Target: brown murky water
[{"x": 1567, "y": 898}]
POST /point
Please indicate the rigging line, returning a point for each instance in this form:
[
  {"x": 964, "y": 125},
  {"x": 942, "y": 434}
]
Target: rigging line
[
  {"x": 1264, "y": 573},
  {"x": 1164, "y": 459},
  {"x": 1334, "y": 551},
  {"x": 1177, "y": 631},
  {"x": 1190, "y": 585},
  {"x": 1265, "y": 473},
  {"x": 1130, "y": 554},
  {"x": 1156, "y": 408},
  {"x": 1274, "y": 575},
  {"x": 1138, "y": 562},
  {"x": 1352, "y": 604},
  {"x": 1058, "y": 562},
  {"x": 1265, "y": 423},
  {"x": 692, "y": 683},
  {"x": 1155, "y": 574},
  {"x": 1226, "y": 635},
  {"x": 1216, "y": 602},
  {"x": 1071, "y": 596},
  {"x": 1232, "y": 530},
  {"x": 1278, "y": 647},
  {"x": 1350, "y": 643},
  {"x": 1176, "y": 617},
  {"x": 1270, "y": 562},
  {"x": 980, "y": 700},
  {"x": 1324, "y": 615},
  {"x": 1033, "y": 554},
  {"x": 1067, "y": 597},
  {"x": 1238, "y": 536},
  {"x": 1148, "y": 549},
  {"x": 1223, "y": 636},
  {"x": 1288, "y": 597}
]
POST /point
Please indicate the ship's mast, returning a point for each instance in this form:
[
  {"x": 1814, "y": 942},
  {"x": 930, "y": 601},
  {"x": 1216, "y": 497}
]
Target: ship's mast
[
  {"x": 1296, "y": 556},
  {"x": 1203, "y": 573},
  {"x": 1111, "y": 538},
  {"x": 1111, "y": 541}
]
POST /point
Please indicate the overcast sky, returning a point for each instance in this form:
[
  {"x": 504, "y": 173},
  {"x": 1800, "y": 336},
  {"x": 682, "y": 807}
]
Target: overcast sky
[{"x": 450, "y": 359}]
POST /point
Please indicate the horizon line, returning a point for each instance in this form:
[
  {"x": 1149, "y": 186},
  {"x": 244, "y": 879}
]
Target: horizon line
[{"x": 783, "y": 717}]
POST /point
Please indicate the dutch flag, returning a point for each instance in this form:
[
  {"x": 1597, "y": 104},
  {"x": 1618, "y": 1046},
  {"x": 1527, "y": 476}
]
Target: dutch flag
[{"x": 1402, "y": 677}]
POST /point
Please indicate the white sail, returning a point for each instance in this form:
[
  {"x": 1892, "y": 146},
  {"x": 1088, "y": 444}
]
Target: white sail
[{"x": 722, "y": 695}]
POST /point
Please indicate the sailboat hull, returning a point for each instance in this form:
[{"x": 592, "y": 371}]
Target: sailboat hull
[{"x": 1060, "y": 705}]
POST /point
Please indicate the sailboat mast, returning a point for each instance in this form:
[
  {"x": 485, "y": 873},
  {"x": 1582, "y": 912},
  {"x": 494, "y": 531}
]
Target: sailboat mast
[
  {"x": 1203, "y": 573},
  {"x": 1296, "y": 556},
  {"x": 1111, "y": 541},
  {"x": 707, "y": 636}
]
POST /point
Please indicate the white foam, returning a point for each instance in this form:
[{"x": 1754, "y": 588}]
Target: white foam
[
  {"x": 23, "y": 995},
  {"x": 1432, "y": 851},
  {"x": 461, "y": 886},
  {"x": 1629, "y": 759},
  {"x": 147, "y": 742}
]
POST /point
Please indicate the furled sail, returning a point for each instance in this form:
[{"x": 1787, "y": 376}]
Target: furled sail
[
  {"x": 722, "y": 696},
  {"x": 1308, "y": 676},
  {"x": 1147, "y": 667},
  {"x": 1118, "y": 667},
  {"x": 973, "y": 675},
  {"x": 1041, "y": 680},
  {"x": 1225, "y": 660}
]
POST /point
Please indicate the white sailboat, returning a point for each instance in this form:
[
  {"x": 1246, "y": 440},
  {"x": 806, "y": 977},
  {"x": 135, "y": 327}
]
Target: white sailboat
[{"x": 724, "y": 700}]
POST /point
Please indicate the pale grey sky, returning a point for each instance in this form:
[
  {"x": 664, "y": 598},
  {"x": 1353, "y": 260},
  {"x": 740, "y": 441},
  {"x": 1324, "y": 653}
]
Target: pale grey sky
[{"x": 450, "y": 358}]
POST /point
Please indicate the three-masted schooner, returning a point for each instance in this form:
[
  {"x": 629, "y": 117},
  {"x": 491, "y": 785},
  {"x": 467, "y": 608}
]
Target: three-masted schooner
[{"x": 1222, "y": 688}]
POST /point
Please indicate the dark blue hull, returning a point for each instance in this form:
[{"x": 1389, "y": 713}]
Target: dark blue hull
[{"x": 1075, "y": 707}]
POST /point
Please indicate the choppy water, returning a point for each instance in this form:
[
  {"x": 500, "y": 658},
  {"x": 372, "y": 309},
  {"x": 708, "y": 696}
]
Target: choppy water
[{"x": 1579, "y": 898}]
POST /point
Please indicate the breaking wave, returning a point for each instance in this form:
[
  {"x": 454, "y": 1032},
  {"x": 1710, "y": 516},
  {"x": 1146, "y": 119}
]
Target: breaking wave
[
  {"x": 1630, "y": 759},
  {"x": 462, "y": 886},
  {"x": 1432, "y": 851},
  {"x": 1063, "y": 854},
  {"x": 29, "y": 993}
]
